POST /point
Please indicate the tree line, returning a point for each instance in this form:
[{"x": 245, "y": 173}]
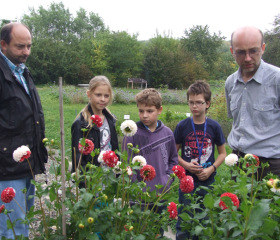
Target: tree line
[{"x": 81, "y": 46}]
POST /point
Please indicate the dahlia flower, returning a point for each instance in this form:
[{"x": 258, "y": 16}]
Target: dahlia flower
[
  {"x": 88, "y": 148},
  {"x": 96, "y": 119},
  {"x": 233, "y": 198},
  {"x": 129, "y": 171},
  {"x": 231, "y": 159},
  {"x": 21, "y": 153},
  {"x": 187, "y": 184},
  {"x": 179, "y": 171},
  {"x": 251, "y": 159},
  {"x": 172, "y": 209},
  {"x": 128, "y": 128},
  {"x": 8, "y": 194},
  {"x": 117, "y": 169},
  {"x": 2, "y": 208},
  {"x": 141, "y": 160},
  {"x": 148, "y": 173},
  {"x": 110, "y": 158}
]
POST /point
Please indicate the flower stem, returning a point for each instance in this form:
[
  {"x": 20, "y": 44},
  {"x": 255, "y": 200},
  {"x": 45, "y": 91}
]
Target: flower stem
[{"x": 12, "y": 226}]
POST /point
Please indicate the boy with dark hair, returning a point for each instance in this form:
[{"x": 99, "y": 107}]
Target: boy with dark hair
[
  {"x": 197, "y": 137},
  {"x": 154, "y": 140}
]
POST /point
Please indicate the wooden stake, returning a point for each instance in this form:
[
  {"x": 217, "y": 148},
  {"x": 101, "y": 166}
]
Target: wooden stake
[{"x": 62, "y": 157}]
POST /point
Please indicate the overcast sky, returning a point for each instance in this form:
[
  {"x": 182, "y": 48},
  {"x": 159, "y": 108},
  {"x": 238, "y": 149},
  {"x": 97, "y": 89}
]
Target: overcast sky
[{"x": 172, "y": 17}]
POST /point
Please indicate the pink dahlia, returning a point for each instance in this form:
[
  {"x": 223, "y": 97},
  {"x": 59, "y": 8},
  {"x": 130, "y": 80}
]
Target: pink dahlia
[
  {"x": 88, "y": 148},
  {"x": 233, "y": 198},
  {"x": 8, "y": 194},
  {"x": 179, "y": 171},
  {"x": 172, "y": 209},
  {"x": 148, "y": 173},
  {"x": 187, "y": 184},
  {"x": 110, "y": 158},
  {"x": 96, "y": 120}
]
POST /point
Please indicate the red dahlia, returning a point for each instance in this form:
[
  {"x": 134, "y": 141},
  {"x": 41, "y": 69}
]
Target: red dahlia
[
  {"x": 179, "y": 171},
  {"x": 233, "y": 198},
  {"x": 8, "y": 194},
  {"x": 186, "y": 184},
  {"x": 110, "y": 158},
  {"x": 148, "y": 173},
  {"x": 2, "y": 208},
  {"x": 88, "y": 148},
  {"x": 96, "y": 120},
  {"x": 256, "y": 161},
  {"x": 172, "y": 209}
]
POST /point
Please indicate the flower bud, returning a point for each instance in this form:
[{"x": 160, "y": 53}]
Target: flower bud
[
  {"x": 269, "y": 183},
  {"x": 81, "y": 226},
  {"x": 136, "y": 151},
  {"x": 130, "y": 228},
  {"x": 45, "y": 140},
  {"x": 129, "y": 145},
  {"x": 90, "y": 220}
]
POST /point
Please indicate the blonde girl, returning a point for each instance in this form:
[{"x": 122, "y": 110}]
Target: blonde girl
[{"x": 100, "y": 95}]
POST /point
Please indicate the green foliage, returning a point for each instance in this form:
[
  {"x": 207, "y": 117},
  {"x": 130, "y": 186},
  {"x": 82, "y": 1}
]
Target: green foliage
[
  {"x": 272, "y": 51},
  {"x": 258, "y": 208},
  {"x": 218, "y": 108},
  {"x": 110, "y": 205},
  {"x": 163, "y": 64},
  {"x": 203, "y": 45}
]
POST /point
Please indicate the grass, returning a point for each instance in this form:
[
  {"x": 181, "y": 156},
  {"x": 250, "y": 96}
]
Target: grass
[{"x": 50, "y": 102}]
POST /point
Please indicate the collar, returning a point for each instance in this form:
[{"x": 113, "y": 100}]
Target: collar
[
  {"x": 19, "y": 68},
  {"x": 258, "y": 76}
]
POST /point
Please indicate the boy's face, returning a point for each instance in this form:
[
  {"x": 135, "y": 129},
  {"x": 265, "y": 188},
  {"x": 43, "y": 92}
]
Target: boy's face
[
  {"x": 149, "y": 115},
  {"x": 198, "y": 105}
]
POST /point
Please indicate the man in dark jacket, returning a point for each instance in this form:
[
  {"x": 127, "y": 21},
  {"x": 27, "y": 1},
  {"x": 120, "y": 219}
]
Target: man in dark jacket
[{"x": 21, "y": 123}]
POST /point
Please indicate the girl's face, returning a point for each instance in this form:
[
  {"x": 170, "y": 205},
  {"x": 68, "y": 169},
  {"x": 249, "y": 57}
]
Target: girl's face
[{"x": 99, "y": 98}]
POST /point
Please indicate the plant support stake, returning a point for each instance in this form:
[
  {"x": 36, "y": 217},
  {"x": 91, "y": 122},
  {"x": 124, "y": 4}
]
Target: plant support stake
[{"x": 62, "y": 157}]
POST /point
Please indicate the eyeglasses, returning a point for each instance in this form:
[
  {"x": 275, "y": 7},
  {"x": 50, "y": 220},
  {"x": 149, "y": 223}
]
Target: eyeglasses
[
  {"x": 198, "y": 104},
  {"x": 242, "y": 53}
]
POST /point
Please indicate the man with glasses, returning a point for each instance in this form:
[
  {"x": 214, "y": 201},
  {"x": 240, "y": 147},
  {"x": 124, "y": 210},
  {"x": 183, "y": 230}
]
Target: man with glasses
[{"x": 253, "y": 99}]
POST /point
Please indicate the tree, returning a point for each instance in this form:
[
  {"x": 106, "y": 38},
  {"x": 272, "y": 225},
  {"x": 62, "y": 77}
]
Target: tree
[
  {"x": 124, "y": 56},
  {"x": 163, "y": 62},
  {"x": 272, "y": 40},
  {"x": 203, "y": 46},
  {"x": 59, "y": 43}
]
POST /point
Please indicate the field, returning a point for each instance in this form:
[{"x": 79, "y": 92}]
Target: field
[{"x": 74, "y": 99}]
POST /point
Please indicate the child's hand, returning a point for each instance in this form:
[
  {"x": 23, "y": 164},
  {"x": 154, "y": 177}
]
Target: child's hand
[
  {"x": 194, "y": 167},
  {"x": 205, "y": 173}
]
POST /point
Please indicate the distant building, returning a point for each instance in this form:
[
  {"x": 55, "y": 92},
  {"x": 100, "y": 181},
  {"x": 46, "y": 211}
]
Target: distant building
[{"x": 136, "y": 80}]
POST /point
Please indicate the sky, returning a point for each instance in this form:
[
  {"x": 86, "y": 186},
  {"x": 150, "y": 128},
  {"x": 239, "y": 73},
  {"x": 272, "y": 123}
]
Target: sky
[{"x": 147, "y": 18}]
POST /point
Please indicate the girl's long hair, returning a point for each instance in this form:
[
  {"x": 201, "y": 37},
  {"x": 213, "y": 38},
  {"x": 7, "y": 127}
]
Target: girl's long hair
[{"x": 93, "y": 84}]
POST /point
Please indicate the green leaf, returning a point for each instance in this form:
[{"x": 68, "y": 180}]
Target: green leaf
[
  {"x": 259, "y": 212},
  {"x": 268, "y": 226},
  {"x": 208, "y": 201}
]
